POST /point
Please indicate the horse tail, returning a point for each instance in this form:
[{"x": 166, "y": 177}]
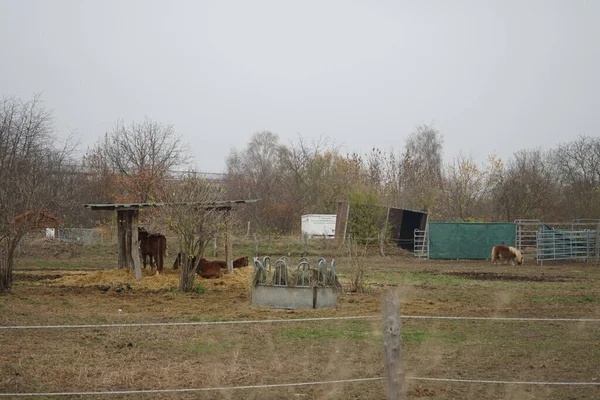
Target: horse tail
[{"x": 493, "y": 254}]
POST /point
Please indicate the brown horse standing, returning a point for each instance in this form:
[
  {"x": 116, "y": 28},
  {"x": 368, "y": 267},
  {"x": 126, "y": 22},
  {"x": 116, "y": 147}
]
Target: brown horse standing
[{"x": 154, "y": 246}]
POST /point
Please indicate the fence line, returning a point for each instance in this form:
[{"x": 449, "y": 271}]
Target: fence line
[
  {"x": 296, "y": 384},
  {"x": 500, "y": 382},
  {"x": 269, "y": 321}
]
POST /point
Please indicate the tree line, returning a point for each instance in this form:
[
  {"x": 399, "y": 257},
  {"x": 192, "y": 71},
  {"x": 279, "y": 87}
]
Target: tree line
[
  {"x": 133, "y": 162},
  {"x": 303, "y": 177}
]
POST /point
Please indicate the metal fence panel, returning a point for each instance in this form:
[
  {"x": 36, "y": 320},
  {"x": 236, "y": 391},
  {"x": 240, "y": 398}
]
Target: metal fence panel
[
  {"x": 554, "y": 244},
  {"x": 80, "y": 235}
]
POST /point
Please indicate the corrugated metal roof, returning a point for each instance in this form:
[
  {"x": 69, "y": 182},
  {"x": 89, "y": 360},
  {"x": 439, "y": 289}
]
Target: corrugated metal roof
[{"x": 132, "y": 206}]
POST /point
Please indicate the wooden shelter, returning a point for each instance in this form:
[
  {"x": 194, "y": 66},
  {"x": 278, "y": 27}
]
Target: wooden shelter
[{"x": 127, "y": 226}]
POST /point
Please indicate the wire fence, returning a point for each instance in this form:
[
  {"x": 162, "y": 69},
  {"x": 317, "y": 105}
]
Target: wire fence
[
  {"x": 297, "y": 384},
  {"x": 292, "y": 320},
  {"x": 78, "y": 235}
]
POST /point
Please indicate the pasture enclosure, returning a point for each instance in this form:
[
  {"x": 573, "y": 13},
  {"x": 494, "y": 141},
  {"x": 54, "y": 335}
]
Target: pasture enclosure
[
  {"x": 458, "y": 338},
  {"x": 539, "y": 241}
]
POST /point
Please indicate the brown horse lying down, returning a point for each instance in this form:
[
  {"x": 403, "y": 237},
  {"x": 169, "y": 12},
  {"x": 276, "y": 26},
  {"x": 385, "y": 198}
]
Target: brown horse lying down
[
  {"x": 206, "y": 269},
  {"x": 237, "y": 263},
  {"x": 506, "y": 253},
  {"x": 240, "y": 262}
]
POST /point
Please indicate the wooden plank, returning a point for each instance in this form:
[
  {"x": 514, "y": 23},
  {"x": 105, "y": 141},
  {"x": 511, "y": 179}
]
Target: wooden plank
[
  {"x": 391, "y": 346},
  {"x": 340, "y": 221},
  {"x": 135, "y": 246}
]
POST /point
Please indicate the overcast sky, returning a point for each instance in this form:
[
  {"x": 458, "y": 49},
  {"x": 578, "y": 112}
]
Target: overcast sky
[{"x": 492, "y": 76}]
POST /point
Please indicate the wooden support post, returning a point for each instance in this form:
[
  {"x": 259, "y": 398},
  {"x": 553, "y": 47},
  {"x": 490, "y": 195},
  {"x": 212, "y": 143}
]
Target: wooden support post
[
  {"x": 129, "y": 238},
  {"x": 229, "y": 243},
  {"x": 391, "y": 346},
  {"x": 121, "y": 234},
  {"x": 135, "y": 247}
]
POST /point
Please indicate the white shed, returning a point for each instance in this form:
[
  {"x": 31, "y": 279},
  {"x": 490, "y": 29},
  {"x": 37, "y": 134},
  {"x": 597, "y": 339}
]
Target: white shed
[{"x": 319, "y": 225}]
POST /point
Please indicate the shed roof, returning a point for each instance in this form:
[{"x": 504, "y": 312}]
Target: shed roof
[
  {"x": 37, "y": 218},
  {"x": 223, "y": 204}
]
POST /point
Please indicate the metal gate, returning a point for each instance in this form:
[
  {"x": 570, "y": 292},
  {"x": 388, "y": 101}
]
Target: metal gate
[
  {"x": 527, "y": 230},
  {"x": 575, "y": 240},
  {"x": 421, "y": 244}
]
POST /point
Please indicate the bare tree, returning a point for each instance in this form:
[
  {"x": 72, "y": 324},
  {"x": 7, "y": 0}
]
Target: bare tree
[
  {"x": 465, "y": 188},
  {"x": 526, "y": 188},
  {"x": 578, "y": 169},
  {"x": 138, "y": 157},
  {"x": 255, "y": 172},
  {"x": 190, "y": 213},
  {"x": 33, "y": 173},
  {"x": 307, "y": 176},
  {"x": 421, "y": 168}
]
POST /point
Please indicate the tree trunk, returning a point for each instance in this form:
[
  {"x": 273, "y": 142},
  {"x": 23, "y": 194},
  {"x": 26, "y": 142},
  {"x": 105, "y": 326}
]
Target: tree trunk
[
  {"x": 6, "y": 277},
  {"x": 188, "y": 271},
  {"x": 7, "y": 252}
]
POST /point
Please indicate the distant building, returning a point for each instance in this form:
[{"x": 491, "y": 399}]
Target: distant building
[{"x": 319, "y": 225}]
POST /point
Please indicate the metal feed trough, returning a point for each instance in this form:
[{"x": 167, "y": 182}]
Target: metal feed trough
[{"x": 303, "y": 287}]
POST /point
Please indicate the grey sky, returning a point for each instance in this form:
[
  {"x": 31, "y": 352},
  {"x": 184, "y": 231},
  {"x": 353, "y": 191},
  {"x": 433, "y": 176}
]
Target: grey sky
[{"x": 493, "y": 76}]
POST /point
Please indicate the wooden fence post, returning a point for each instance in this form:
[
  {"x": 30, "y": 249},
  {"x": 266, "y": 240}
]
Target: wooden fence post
[
  {"x": 391, "y": 346},
  {"x": 229, "y": 243}
]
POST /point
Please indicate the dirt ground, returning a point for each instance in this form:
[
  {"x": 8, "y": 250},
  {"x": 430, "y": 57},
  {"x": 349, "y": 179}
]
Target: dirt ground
[{"x": 140, "y": 358}]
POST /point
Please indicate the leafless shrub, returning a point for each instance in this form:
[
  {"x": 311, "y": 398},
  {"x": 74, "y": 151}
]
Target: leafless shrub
[
  {"x": 192, "y": 215},
  {"x": 357, "y": 264}
]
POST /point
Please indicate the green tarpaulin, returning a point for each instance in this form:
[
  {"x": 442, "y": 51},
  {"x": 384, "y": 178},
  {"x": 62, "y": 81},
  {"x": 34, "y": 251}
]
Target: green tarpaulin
[{"x": 467, "y": 240}]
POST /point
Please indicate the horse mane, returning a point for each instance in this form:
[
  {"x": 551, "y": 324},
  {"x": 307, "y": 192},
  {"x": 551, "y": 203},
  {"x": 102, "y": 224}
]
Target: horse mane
[{"x": 517, "y": 254}]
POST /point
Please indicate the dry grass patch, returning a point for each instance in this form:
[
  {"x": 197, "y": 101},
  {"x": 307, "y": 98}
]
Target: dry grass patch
[{"x": 168, "y": 280}]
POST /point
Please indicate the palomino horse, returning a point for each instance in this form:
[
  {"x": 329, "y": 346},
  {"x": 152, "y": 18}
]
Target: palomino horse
[
  {"x": 154, "y": 246},
  {"x": 507, "y": 253}
]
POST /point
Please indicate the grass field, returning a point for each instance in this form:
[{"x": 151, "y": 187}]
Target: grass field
[{"x": 59, "y": 285}]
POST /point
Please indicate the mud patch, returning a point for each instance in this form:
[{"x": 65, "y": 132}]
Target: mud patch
[{"x": 493, "y": 276}]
